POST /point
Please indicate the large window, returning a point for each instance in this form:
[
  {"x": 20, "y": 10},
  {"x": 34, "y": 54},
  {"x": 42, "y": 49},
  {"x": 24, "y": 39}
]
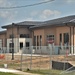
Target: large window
[
  {"x": 37, "y": 40},
  {"x": 11, "y": 45},
  {"x": 50, "y": 37},
  {"x": 27, "y": 44},
  {"x": 40, "y": 40},
  {"x": 34, "y": 40},
  {"x": 66, "y": 38},
  {"x": 60, "y": 37},
  {"x": 21, "y": 45},
  {"x": 24, "y": 35},
  {"x": 11, "y": 36}
]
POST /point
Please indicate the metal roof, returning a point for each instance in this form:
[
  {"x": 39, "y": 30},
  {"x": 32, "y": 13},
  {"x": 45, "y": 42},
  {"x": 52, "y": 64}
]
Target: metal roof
[
  {"x": 24, "y": 23},
  {"x": 37, "y": 24},
  {"x": 57, "y": 22},
  {"x": 3, "y": 32}
]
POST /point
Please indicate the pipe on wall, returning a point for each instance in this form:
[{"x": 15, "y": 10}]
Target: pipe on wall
[{"x": 73, "y": 39}]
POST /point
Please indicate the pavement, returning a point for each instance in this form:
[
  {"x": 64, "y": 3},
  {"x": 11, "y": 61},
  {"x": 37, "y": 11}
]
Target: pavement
[{"x": 15, "y": 71}]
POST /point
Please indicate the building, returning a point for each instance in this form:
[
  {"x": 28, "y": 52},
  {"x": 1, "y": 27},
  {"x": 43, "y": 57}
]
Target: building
[{"x": 59, "y": 32}]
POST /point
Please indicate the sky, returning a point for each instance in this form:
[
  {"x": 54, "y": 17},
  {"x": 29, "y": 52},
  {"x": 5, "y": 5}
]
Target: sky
[{"x": 48, "y": 11}]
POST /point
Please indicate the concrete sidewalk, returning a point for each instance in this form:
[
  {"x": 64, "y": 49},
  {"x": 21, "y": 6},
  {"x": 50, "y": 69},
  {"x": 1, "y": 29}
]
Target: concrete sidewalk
[
  {"x": 16, "y": 71},
  {"x": 25, "y": 73}
]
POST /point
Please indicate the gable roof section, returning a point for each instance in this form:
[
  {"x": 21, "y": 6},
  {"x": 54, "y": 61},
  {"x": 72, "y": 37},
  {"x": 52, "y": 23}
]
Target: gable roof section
[
  {"x": 24, "y": 23},
  {"x": 2, "y": 32},
  {"x": 57, "y": 22}
]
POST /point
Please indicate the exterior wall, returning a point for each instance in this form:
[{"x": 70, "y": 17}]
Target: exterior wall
[
  {"x": 9, "y": 32},
  {"x": 15, "y": 41},
  {"x": 17, "y": 31},
  {"x": 24, "y": 30},
  {"x": 43, "y": 31},
  {"x": 17, "y": 44},
  {"x": 39, "y": 32},
  {"x": 3, "y": 38},
  {"x": 0, "y": 44},
  {"x": 61, "y": 30},
  {"x": 51, "y": 31}
]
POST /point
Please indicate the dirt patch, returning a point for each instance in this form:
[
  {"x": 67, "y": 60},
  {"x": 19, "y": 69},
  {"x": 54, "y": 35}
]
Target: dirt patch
[{"x": 37, "y": 62}]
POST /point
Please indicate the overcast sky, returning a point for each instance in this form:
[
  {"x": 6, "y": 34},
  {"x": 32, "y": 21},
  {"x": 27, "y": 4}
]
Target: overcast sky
[{"x": 43, "y": 12}]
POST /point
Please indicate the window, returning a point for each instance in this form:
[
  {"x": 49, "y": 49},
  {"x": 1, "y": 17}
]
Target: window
[
  {"x": 60, "y": 38},
  {"x": 21, "y": 45},
  {"x": 11, "y": 36},
  {"x": 50, "y": 37},
  {"x": 37, "y": 40},
  {"x": 40, "y": 40},
  {"x": 27, "y": 44},
  {"x": 11, "y": 45},
  {"x": 34, "y": 40},
  {"x": 24, "y": 35},
  {"x": 66, "y": 38}
]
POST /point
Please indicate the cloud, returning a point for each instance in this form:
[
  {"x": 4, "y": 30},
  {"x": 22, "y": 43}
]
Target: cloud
[
  {"x": 44, "y": 15},
  {"x": 7, "y": 14},
  {"x": 47, "y": 13},
  {"x": 70, "y": 1},
  {"x": 34, "y": 13},
  {"x": 4, "y": 3},
  {"x": 45, "y": 0},
  {"x": 29, "y": 19}
]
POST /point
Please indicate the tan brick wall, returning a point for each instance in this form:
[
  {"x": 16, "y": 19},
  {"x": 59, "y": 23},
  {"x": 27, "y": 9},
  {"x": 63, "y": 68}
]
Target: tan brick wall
[
  {"x": 39, "y": 32},
  {"x": 24, "y": 30},
  {"x": 17, "y": 31},
  {"x": 53, "y": 30},
  {"x": 3, "y": 38},
  {"x": 61, "y": 30},
  {"x": 9, "y": 32}
]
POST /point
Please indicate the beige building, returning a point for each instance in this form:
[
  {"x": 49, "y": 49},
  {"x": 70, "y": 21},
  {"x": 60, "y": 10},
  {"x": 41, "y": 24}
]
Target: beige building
[{"x": 59, "y": 32}]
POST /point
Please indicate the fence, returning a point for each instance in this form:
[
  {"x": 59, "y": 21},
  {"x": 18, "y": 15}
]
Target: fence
[
  {"x": 46, "y": 50},
  {"x": 36, "y": 57}
]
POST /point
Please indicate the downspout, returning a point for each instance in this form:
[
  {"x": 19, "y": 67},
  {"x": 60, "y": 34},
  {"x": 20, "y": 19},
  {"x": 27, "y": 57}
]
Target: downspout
[
  {"x": 73, "y": 39},
  {"x": 18, "y": 38},
  {"x": 70, "y": 39},
  {"x": 2, "y": 44},
  {"x": 33, "y": 37}
]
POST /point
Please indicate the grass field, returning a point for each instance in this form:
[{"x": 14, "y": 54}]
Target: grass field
[
  {"x": 50, "y": 72},
  {"x": 2, "y": 73}
]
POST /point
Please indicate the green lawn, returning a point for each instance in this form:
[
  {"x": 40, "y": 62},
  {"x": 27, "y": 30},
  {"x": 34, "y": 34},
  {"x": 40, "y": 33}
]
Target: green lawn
[
  {"x": 50, "y": 72},
  {"x": 2, "y": 73}
]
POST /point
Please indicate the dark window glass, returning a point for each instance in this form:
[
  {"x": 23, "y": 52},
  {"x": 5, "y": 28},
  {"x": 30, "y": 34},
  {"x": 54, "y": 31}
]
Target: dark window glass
[
  {"x": 11, "y": 36},
  {"x": 66, "y": 38},
  {"x": 50, "y": 37},
  {"x": 24, "y": 35},
  {"x": 21, "y": 45},
  {"x": 60, "y": 37},
  {"x": 40, "y": 40},
  {"x": 11, "y": 45},
  {"x": 27, "y": 44},
  {"x": 37, "y": 40},
  {"x": 34, "y": 40}
]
